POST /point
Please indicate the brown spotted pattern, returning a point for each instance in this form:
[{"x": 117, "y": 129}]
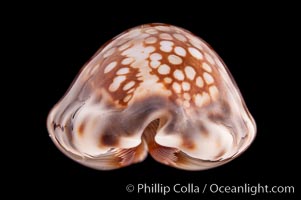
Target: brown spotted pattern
[
  {"x": 155, "y": 88},
  {"x": 173, "y": 58}
]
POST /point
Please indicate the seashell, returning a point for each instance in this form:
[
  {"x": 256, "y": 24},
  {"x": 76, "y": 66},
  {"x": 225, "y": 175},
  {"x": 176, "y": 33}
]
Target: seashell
[{"x": 154, "y": 88}]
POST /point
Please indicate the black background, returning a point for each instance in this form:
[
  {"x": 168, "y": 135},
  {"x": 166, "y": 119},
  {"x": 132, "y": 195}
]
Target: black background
[{"x": 254, "y": 41}]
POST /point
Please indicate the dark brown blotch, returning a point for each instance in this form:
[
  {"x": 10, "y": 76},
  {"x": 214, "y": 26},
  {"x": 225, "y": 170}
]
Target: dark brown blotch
[
  {"x": 216, "y": 117},
  {"x": 108, "y": 140},
  {"x": 203, "y": 130},
  {"x": 188, "y": 144},
  {"x": 81, "y": 129},
  {"x": 225, "y": 108}
]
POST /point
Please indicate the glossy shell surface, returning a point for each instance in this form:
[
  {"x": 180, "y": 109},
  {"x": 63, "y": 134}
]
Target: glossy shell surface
[{"x": 154, "y": 88}]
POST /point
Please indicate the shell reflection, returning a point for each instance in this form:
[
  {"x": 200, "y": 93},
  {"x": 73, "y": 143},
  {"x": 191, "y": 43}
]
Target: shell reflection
[{"x": 155, "y": 88}]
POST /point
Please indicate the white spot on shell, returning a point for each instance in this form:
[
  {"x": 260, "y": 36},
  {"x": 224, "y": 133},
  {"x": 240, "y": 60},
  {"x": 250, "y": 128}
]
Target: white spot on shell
[
  {"x": 150, "y": 40},
  {"x": 180, "y": 51},
  {"x": 164, "y": 69},
  {"x": 209, "y": 58},
  {"x": 133, "y": 33},
  {"x": 122, "y": 71},
  {"x": 116, "y": 83},
  {"x": 127, "y": 98},
  {"x": 128, "y": 85},
  {"x": 213, "y": 92},
  {"x": 176, "y": 87},
  {"x": 186, "y": 96},
  {"x": 180, "y": 37},
  {"x": 196, "y": 42},
  {"x": 206, "y": 97},
  {"x": 163, "y": 28},
  {"x": 131, "y": 91},
  {"x": 201, "y": 100},
  {"x": 178, "y": 74},
  {"x": 186, "y": 86},
  {"x": 109, "y": 53},
  {"x": 124, "y": 46},
  {"x": 149, "y": 49},
  {"x": 190, "y": 72},
  {"x": 110, "y": 66},
  {"x": 127, "y": 61},
  {"x": 208, "y": 78},
  {"x": 195, "y": 53},
  {"x": 166, "y": 46},
  {"x": 199, "y": 82},
  {"x": 167, "y": 80},
  {"x": 206, "y": 67},
  {"x": 165, "y": 36},
  {"x": 151, "y": 31},
  {"x": 198, "y": 100},
  {"x": 155, "y": 56},
  {"x": 155, "y": 63},
  {"x": 173, "y": 59}
]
